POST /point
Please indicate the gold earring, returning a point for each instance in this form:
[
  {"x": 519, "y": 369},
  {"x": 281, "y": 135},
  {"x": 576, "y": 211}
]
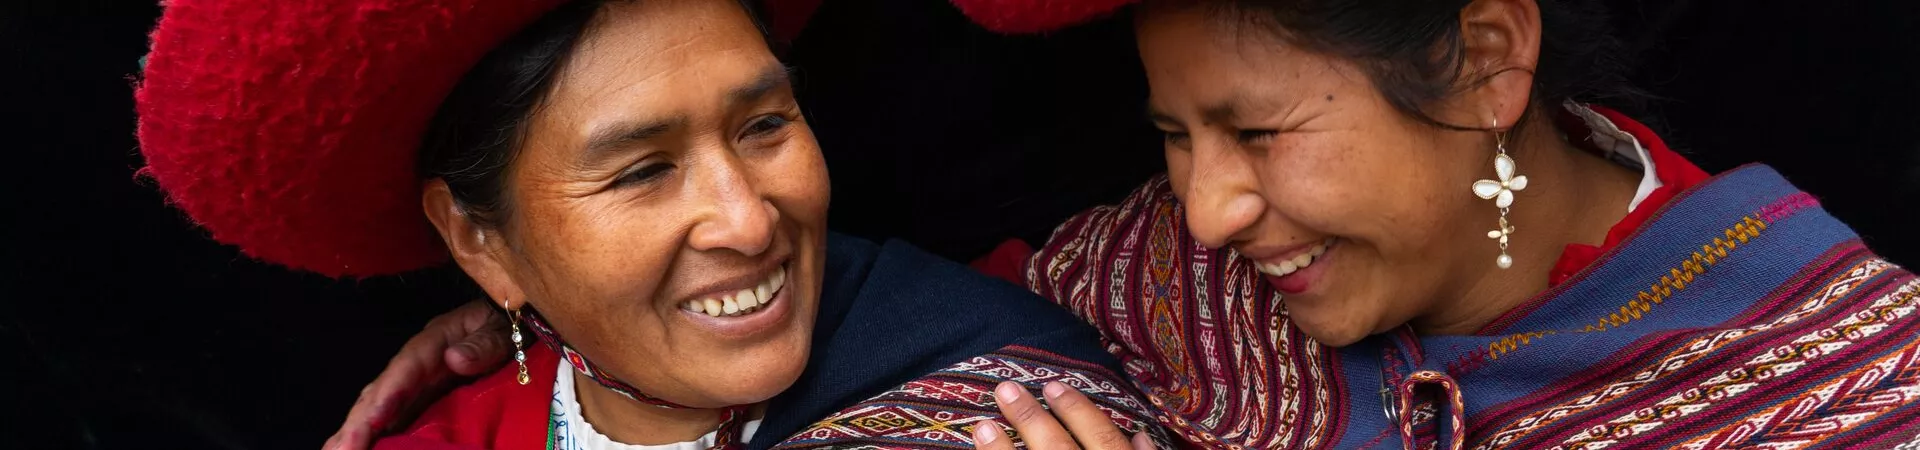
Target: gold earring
[
  {"x": 519, "y": 347},
  {"x": 1500, "y": 190}
]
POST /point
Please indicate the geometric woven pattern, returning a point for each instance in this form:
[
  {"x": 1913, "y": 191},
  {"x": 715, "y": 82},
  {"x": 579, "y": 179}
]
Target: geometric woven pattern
[
  {"x": 1200, "y": 331},
  {"x": 939, "y": 410}
]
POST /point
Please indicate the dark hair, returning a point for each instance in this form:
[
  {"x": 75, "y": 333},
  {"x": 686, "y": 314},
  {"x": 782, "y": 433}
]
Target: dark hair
[
  {"x": 480, "y": 126},
  {"x": 1411, "y": 49}
]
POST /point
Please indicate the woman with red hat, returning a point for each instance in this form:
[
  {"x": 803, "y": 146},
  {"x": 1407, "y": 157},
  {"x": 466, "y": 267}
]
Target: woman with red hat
[
  {"x": 633, "y": 184},
  {"x": 1406, "y": 223}
]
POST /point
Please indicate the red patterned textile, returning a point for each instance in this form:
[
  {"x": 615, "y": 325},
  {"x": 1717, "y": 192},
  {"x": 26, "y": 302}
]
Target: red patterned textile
[
  {"x": 939, "y": 410},
  {"x": 1736, "y": 314},
  {"x": 1200, "y": 330}
]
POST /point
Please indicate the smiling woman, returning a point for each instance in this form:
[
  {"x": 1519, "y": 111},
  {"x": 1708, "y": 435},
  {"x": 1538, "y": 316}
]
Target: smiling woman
[
  {"x": 631, "y": 182},
  {"x": 1416, "y": 224},
  {"x": 638, "y": 212}
]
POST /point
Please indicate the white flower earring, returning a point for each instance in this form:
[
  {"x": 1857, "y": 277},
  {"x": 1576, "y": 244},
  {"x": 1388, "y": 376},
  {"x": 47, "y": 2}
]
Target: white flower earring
[{"x": 1501, "y": 191}]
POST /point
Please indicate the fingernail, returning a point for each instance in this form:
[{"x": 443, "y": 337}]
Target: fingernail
[
  {"x": 1007, "y": 392},
  {"x": 1140, "y": 440},
  {"x": 985, "y": 433},
  {"x": 1054, "y": 390},
  {"x": 467, "y": 350}
]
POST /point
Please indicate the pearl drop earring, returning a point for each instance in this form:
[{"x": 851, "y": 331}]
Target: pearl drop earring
[{"x": 1501, "y": 190}]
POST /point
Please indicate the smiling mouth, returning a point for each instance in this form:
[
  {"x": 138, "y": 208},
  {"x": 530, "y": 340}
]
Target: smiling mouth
[
  {"x": 744, "y": 302},
  {"x": 1297, "y": 262}
]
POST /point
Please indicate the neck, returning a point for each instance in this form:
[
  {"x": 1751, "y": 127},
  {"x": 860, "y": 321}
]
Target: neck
[
  {"x": 627, "y": 421},
  {"x": 1574, "y": 197}
]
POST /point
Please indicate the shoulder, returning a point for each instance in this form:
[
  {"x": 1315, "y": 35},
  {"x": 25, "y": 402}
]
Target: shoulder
[
  {"x": 1070, "y": 262},
  {"x": 901, "y": 314},
  {"x": 948, "y": 301},
  {"x": 940, "y": 409},
  {"x": 495, "y": 411}
]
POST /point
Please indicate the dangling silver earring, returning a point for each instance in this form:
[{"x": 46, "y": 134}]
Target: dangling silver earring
[
  {"x": 1501, "y": 191},
  {"x": 519, "y": 347}
]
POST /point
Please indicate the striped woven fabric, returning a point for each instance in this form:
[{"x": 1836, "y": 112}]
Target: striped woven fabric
[{"x": 1740, "y": 315}]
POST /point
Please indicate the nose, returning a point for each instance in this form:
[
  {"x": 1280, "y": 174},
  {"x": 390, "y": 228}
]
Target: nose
[
  {"x": 737, "y": 217},
  {"x": 1222, "y": 198}
]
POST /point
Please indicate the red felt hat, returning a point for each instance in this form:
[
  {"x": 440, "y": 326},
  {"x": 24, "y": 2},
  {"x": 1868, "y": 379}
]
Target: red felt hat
[
  {"x": 289, "y": 128},
  {"x": 1035, "y": 16}
]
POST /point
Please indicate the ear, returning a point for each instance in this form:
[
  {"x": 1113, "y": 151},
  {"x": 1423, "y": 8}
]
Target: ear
[
  {"x": 1500, "y": 46},
  {"x": 480, "y": 251}
]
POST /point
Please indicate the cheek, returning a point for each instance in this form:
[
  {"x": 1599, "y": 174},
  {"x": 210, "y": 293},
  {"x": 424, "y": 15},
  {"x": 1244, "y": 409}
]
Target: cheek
[
  {"x": 1321, "y": 184},
  {"x": 797, "y": 182},
  {"x": 1384, "y": 192},
  {"x": 601, "y": 256}
]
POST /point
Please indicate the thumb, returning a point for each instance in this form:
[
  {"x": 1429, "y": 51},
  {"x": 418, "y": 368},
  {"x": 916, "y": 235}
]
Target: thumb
[{"x": 482, "y": 350}]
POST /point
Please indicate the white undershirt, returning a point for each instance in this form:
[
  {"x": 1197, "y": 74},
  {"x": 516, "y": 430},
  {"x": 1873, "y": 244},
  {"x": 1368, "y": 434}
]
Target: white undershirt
[
  {"x": 576, "y": 434},
  {"x": 1621, "y": 148}
]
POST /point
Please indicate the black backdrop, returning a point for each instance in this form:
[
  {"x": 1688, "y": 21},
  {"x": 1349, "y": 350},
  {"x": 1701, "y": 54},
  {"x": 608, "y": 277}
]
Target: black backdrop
[{"x": 122, "y": 326}]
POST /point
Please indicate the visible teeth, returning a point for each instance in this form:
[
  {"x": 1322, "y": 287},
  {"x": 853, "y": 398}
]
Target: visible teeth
[
  {"x": 1300, "y": 261},
  {"x": 742, "y": 302},
  {"x": 746, "y": 298}
]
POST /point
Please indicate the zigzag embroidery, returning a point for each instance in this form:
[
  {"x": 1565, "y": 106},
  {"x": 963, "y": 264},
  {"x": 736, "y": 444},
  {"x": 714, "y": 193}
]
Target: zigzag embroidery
[{"x": 1674, "y": 280}]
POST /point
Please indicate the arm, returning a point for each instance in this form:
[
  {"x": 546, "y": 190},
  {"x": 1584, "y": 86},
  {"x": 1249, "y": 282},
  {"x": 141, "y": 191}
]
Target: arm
[{"x": 466, "y": 342}]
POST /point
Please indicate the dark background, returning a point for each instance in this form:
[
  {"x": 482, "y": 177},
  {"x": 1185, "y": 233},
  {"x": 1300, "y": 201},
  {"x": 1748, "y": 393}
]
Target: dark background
[{"x": 122, "y": 326}]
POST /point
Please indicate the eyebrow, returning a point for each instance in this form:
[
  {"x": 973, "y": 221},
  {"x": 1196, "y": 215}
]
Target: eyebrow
[
  {"x": 1223, "y": 112},
  {"x": 613, "y": 137},
  {"x": 609, "y": 138},
  {"x": 772, "y": 77},
  {"x": 1154, "y": 115}
]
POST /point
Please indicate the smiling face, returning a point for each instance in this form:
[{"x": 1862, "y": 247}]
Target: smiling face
[
  {"x": 668, "y": 207},
  {"x": 1355, "y": 211}
]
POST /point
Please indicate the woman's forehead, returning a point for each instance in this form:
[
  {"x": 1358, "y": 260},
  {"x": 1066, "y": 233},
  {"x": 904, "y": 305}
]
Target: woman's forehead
[{"x": 658, "y": 59}]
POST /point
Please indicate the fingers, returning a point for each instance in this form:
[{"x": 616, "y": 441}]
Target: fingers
[
  {"x": 989, "y": 436},
  {"x": 417, "y": 373},
  {"x": 1141, "y": 441},
  {"x": 368, "y": 415},
  {"x": 345, "y": 440},
  {"x": 1035, "y": 425},
  {"x": 478, "y": 334},
  {"x": 1088, "y": 423}
]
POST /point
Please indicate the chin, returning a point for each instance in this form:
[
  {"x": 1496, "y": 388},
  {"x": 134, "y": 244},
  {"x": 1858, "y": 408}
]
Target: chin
[
  {"x": 1330, "y": 328},
  {"x": 755, "y": 379}
]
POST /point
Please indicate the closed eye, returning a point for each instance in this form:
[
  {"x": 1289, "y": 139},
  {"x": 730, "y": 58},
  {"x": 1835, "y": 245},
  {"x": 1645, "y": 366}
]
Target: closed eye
[
  {"x": 764, "y": 125},
  {"x": 1257, "y": 136},
  {"x": 645, "y": 173},
  {"x": 1176, "y": 138}
]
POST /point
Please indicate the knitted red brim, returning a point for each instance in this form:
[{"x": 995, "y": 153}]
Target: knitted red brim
[{"x": 289, "y": 128}]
